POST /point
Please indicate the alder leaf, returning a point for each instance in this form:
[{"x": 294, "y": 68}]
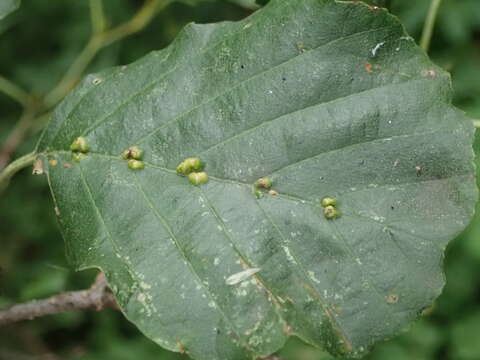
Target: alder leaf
[{"x": 326, "y": 99}]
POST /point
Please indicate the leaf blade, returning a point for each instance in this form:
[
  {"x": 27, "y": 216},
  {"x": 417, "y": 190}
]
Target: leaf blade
[{"x": 354, "y": 111}]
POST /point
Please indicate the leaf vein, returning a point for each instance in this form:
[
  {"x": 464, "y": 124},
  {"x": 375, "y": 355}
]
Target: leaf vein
[{"x": 190, "y": 266}]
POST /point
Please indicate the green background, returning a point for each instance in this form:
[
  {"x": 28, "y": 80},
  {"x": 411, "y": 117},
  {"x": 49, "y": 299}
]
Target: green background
[{"x": 40, "y": 41}]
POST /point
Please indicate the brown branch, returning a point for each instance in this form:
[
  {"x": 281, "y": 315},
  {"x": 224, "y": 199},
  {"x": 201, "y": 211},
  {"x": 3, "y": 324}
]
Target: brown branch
[{"x": 96, "y": 298}]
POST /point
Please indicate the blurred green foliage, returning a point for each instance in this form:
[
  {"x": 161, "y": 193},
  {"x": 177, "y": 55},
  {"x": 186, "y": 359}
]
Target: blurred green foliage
[{"x": 40, "y": 41}]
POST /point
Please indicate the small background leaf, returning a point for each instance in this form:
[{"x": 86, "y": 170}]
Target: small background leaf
[{"x": 8, "y": 6}]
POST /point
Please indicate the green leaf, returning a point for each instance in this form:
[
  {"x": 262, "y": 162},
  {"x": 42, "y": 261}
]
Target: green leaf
[
  {"x": 8, "y": 6},
  {"x": 249, "y": 4},
  {"x": 326, "y": 98}
]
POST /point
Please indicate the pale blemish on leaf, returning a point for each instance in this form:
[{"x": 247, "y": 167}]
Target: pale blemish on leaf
[
  {"x": 312, "y": 276},
  {"x": 289, "y": 254},
  {"x": 241, "y": 276},
  {"x": 392, "y": 298},
  {"x": 38, "y": 167},
  {"x": 377, "y": 47},
  {"x": 97, "y": 80}
]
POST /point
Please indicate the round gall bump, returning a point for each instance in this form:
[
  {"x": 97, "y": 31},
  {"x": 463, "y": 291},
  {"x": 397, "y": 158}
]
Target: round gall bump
[
  {"x": 194, "y": 164},
  {"x": 330, "y": 212},
  {"x": 265, "y": 183},
  {"x": 198, "y": 178},
  {"x": 133, "y": 152},
  {"x": 329, "y": 201},
  {"x": 79, "y": 144},
  {"x": 190, "y": 164},
  {"x": 136, "y": 164},
  {"x": 181, "y": 169}
]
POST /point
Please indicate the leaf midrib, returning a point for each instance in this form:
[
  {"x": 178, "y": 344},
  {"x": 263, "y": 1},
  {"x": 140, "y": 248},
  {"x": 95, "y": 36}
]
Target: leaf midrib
[{"x": 237, "y": 182}]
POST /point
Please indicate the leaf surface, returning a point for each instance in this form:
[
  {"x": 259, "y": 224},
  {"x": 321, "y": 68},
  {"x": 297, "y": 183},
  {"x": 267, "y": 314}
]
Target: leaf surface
[
  {"x": 8, "y": 6},
  {"x": 326, "y": 98}
]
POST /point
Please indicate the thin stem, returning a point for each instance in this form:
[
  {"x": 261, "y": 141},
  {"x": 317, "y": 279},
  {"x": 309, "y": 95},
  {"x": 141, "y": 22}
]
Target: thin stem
[
  {"x": 97, "y": 16},
  {"x": 98, "y": 41},
  {"x": 429, "y": 25},
  {"x": 14, "y": 91},
  {"x": 74, "y": 72},
  {"x": 96, "y": 298},
  {"x": 141, "y": 19},
  {"x": 14, "y": 167}
]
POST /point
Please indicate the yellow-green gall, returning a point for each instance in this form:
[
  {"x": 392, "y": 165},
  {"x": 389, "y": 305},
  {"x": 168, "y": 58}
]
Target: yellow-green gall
[
  {"x": 190, "y": 164},
  {"x": 198, "y": 178},
  {"x": 330, "y": 212},
  {"x": 136, "y": 164},
  {"x": 79, "y": 144},
  {"x": 133, "y": 152},
  {"x": 329, "y": 201},
  {"x": 181, "y": 169},
  {"x": 78, "y": 156},
  {"x": 258, "y": 194},
  {"x": 265, "y": 183}
]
